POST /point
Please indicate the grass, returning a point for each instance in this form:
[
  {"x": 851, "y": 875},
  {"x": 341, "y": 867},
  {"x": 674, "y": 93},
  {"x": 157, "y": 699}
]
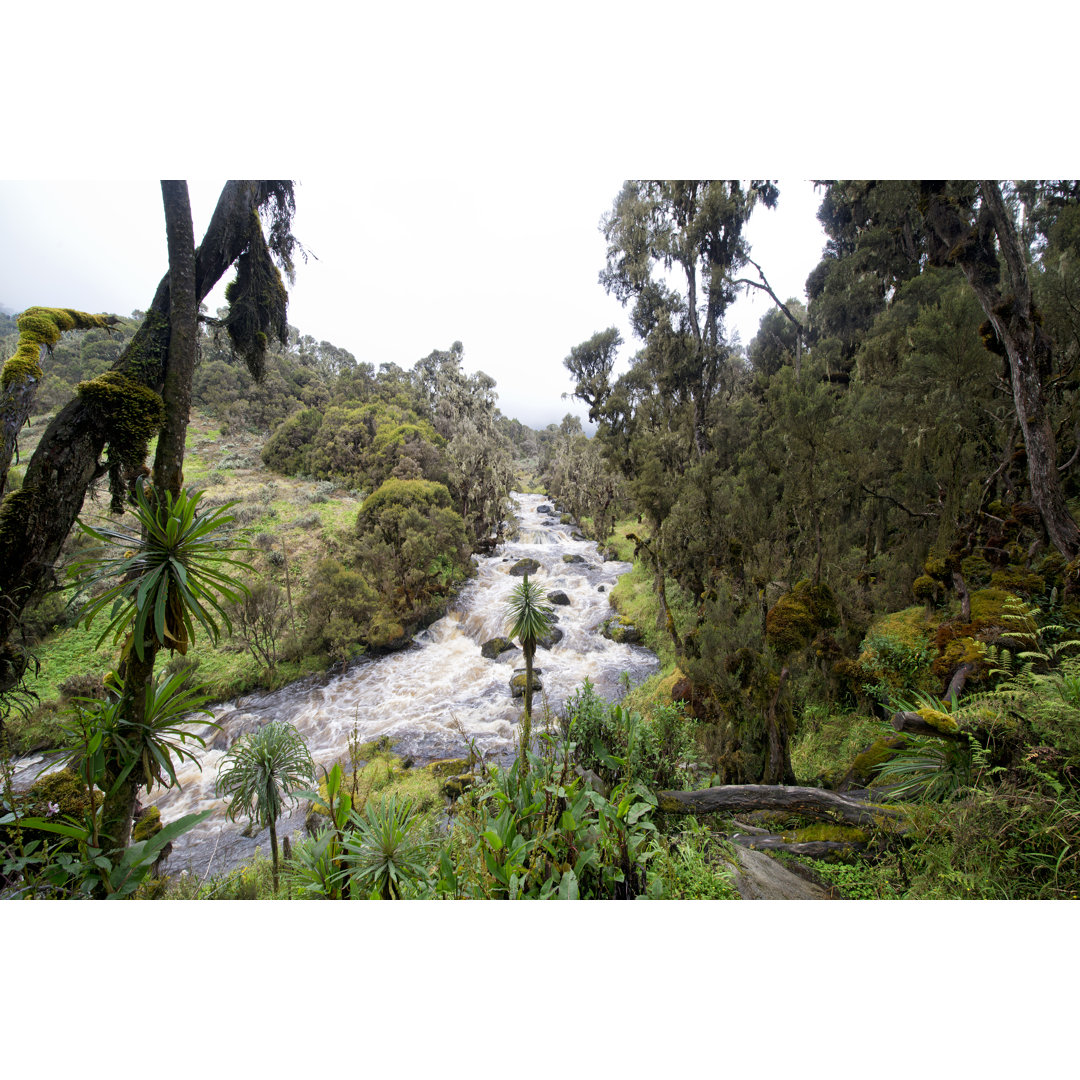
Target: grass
[{"x": 267, "y": 502}]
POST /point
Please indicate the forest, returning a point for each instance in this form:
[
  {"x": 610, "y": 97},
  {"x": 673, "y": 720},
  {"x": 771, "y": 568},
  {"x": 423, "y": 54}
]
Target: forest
[{"x": 852, "y": 547}]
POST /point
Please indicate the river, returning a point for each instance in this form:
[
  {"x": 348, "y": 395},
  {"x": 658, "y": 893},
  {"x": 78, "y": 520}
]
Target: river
[{"x": 424, "y": 696}]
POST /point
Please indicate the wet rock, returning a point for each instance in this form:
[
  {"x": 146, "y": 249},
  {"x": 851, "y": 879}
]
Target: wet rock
[
  {"x": 617, "y": 629},
  {"x": 566, "y": 519},
  {"x": 549, "y": 641},
  {"x": 576, "y": 536},
  {"x": 524, "y": 566},
  {"x": 573, "y": 559},
  {"x": 559, "y": 597},
  {"x": 600, "y": 588},
  {"x": 517, "y": 683},
  {"x": 545, "y": 509},
  {"x": 456, "y": 786},
  {"x": 491, "y": 649}
]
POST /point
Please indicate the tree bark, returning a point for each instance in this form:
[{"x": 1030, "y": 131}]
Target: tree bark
[
  {"x": 35, "y": 521},
  {"x": 738, "y": 798}
]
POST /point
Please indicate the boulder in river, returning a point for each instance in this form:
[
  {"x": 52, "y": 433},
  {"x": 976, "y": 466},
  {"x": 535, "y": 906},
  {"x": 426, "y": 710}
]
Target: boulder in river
[
  {"x": 573, "y": 559},
  {"x": 545, "y": 509},
  {"x": 620, "y": 630},
  {"x": 517, "y": 683},
  {"x": 490, "y": 649},
  {"x": 524, "y": 566},
  {"x": 549, "y": 641},
  {"x": 559, "y": 597}
]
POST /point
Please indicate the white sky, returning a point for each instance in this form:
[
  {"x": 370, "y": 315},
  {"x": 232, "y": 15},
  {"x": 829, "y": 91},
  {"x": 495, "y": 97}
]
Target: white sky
[{"x": 506, "y": 265}]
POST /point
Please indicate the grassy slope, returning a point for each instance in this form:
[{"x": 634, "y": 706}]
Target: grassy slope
[{"x": 299, "y": 513}]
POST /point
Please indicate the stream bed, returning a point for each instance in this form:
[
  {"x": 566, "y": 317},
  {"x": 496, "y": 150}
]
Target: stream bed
[{"x": 430, "y": 696}]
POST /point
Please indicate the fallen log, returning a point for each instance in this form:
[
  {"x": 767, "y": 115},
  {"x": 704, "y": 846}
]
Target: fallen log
[
  {"x": 813, "y": 849},
  {"x": 740, "y": 798},
  {"x": 928, "y": 723}
]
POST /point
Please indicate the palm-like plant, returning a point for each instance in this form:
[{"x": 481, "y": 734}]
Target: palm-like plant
[
  {"x": 529, "y": 618},
  {"x": 260, "y": 774},
  {"x": 173, "y": 570}
]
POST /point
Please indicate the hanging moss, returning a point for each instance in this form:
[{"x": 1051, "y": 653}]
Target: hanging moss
[
  {"x": 130, "y": 413},
  {"x": 258, "y": 302},
  {"x": 798, "y": 615},
  {"x": 42, "y": 326}
]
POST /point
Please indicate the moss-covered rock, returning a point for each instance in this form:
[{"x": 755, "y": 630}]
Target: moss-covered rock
[
  {"x": 517, "y": 683},
  {"x": 559, "y": 597},
  {"x": 494, "y": 646},
  {"x": 523, "y": 567},
  {"x": 619, "y": 629}
]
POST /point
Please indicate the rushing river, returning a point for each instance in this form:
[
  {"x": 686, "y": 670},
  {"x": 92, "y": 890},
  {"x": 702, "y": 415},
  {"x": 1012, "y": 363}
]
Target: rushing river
[{"x": 424, "y": 696}]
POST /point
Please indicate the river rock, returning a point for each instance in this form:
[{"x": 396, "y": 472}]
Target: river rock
[
  {"x": 524, "y": 566},
  {"x": 517, "y": 683},
  {"x": 600, "y": 588},
  {"x": 573, "y": 559},
  {"x": 559, "y": 597},
  {"x": 491, "y": 649},
  {"x": 549, "y": 641},
  {"x": 545, "y": 509},
  {"x": 619, "y": 630}
]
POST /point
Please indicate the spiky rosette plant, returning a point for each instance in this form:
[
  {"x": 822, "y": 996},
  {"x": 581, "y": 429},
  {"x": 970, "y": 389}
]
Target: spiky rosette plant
[
  {"x": 529, "y": 618},
  {"x": 173, "y": 570},
  {"x": 260, "y": 774}
]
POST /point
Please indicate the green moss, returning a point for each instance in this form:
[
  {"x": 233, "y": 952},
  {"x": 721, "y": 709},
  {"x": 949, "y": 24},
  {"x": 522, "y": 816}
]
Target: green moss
[
  {"x": 130, "y": 413},
  {"x": 877, "y": 753},
  {"x": 924, "y": 588},
  {"x": 148, "y": 825},
  {"x": 41, "y": 327},
  {"x": 934, "y": 567},
  {"x": 1018, "y": 580},
  {"x": 797, "y": 616},
  {"x": 976, "y": 570},
  {"x": 939, "y": 721},
  {"x": 838, "y": 834}
]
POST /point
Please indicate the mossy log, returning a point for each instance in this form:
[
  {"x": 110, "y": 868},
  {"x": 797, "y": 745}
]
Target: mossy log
[
  {"x": 812, "y": 849},
  {"x": 912, "y": 723},
  {"x": 741, "y": 798}
]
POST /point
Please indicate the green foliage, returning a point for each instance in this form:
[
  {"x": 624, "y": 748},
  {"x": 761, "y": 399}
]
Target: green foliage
[
  {"x": 262, "y": 772},
  {"x": 174, "y": 571},
  {"x": 383, "y": 854}
]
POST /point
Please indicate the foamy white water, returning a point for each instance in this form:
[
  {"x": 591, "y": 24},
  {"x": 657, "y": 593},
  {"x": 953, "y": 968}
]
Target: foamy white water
[{"x": 418, "y": 696}]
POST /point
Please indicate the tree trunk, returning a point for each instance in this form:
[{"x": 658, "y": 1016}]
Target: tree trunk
[
  {"x": 183, "y": 338},
  {"x": 35, "y": 521},
  {"x": 273, "y": 852},
  {"x": 739, "y": 798}
]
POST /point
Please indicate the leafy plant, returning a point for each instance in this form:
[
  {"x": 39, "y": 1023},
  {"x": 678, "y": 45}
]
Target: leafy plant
[
  {"x": 261, "y": 773},
  {"x": 382, "y": 850},
  {"x": 172, "y": 573}
]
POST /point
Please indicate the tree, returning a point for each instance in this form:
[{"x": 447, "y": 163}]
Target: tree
[
  {"x": 694, "y": 228},
  {"x": 529, "y": 619},
  {"x": 971, "y": 226},
  {"x": 591, "y": 364},
  {"x": 260, "y": 773},
  {"x": 120, "y": 410}
]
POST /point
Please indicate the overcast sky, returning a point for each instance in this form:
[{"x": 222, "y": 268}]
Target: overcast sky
[{"x": 399, "y": 267}]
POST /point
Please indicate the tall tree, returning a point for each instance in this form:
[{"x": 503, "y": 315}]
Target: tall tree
[
  {"x": 693, "y": 229},
  {"x": 971, "y": 225},
  {"x": 121, "y": 410}
]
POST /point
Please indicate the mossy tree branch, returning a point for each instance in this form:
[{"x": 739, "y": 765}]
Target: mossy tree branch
[{"x": 35, "y": 520}]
